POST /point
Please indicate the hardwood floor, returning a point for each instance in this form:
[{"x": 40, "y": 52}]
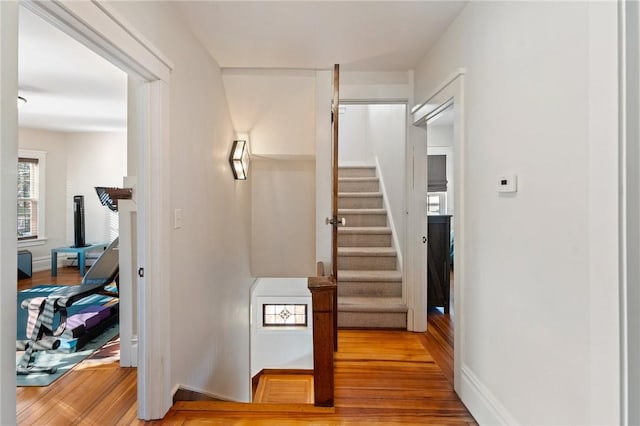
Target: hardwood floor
[
  {"x": 66, "y": 276},
  {"x": 382, "y": 377},
  {"x": 438, "y": 340}
]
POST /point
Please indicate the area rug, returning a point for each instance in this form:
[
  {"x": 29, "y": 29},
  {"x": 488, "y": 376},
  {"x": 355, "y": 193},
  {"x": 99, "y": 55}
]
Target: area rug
[
  {"x": 65, "y": 358},
  {"x": 62, "y": 361}
]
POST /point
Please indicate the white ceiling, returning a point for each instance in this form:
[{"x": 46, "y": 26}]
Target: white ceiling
[
  {"x": 70, "y": 88},
  {"x": 67, "y": 86},
  {"x": 359, "y": 35}
]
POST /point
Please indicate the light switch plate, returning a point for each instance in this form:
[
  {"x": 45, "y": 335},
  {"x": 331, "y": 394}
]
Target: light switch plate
[
  {"x": 508, "y": 183},
  {"x": 177, "y": 219}
]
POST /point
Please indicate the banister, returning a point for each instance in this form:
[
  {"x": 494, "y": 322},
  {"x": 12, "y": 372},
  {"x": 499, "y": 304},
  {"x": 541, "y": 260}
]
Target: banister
[{"x": 323, "y": 293}]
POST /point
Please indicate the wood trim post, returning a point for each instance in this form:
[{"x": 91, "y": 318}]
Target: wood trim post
[{"x": 323, "y": 292}]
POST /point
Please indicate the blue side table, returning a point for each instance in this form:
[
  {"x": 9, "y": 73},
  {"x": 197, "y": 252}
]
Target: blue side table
[{"x": 80, "y": 251}]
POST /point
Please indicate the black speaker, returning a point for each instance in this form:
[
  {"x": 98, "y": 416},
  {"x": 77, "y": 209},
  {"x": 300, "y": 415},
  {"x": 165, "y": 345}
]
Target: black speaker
[{"x": 78, "y": 221}]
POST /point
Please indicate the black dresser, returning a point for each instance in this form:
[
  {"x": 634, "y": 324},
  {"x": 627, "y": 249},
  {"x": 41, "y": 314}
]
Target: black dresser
[{"x": 438, "y": 261}]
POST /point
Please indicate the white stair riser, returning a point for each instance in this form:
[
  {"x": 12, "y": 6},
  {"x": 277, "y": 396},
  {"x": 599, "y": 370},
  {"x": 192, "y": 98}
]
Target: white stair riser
[
  {"x": 364, "y": 240},
  {"x": 370, "y": 263},
  {"x": 372, "y": 319},
  {"x": 356, "y": 219},
  {"x": 357, "y": 172},
  {"x": 373, "y": 202},
  {"x": 370, "y": 289},
  {"x": 358, "y": 186}
]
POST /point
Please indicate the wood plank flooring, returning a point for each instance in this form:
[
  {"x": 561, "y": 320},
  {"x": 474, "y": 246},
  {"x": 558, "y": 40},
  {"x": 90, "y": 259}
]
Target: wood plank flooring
[
  {"x": 382, "y": 377},
  {"x": 284, "y": 389}
]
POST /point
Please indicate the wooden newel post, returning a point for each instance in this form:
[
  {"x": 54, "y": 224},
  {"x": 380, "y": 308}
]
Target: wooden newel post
[{"x": 323, "y": 293}]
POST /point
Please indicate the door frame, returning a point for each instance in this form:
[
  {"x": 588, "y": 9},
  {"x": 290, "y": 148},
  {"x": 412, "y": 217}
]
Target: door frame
[
  {"x": 104, "y": 31},
  {"x": 629, "y": 210},
  {"x": 450, "y": 92}
]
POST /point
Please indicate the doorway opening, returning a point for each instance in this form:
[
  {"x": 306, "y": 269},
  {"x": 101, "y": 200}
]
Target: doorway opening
[
  {"x": 74, "y": 119},
  {"x": 371, "y": 183},
  {"x": 441, "y": 193},
  {"x": 440, "y": 189},
  {"x": 96, "y": 27}
]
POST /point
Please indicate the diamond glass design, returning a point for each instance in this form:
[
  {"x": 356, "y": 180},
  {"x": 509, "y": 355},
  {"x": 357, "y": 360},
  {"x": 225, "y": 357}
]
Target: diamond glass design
[{"x": 291, "y": 315}]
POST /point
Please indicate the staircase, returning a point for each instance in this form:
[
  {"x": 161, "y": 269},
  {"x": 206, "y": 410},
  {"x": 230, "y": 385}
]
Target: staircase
[{"x": 369, "y": 279}]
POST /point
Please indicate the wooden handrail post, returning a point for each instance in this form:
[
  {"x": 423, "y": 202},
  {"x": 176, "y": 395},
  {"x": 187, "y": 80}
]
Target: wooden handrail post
[{"x": 323, "y": 292}]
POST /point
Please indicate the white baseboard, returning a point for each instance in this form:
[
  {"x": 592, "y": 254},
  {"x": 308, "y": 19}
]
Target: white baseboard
[
  {"x": 41, "y": 263},
  {"x": 203, "y": 392},
  {"x": 482, "y": 404}
]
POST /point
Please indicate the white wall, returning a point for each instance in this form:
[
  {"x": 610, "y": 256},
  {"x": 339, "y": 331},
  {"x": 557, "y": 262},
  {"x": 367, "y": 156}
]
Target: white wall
[
  {"x": 75, "y": 164},
  {"x": 375, "y": 86},
  {"x": 540, "y": 310},
  {"x": 354, "y": 145},
  {"x": 387, "y": 132},
  {"x": 280, "y": 348},
  {"x": 276, "y": 108},
  {"x": 283, "y": 209},
  {"x": 375, "y": 134},
  {"x": 440, "y": 135},
  {"x": 210, "y": 276},
  {"x": 94, "y": 159}
]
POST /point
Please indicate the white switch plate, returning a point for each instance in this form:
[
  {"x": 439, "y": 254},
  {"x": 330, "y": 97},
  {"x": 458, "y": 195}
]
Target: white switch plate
[
  {"x": 508, "y": 183},
  {"x": 177, "y": 219}
]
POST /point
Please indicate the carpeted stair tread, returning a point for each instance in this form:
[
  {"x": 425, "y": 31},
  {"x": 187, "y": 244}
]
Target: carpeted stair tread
[
  {"x": 361, "y": 211},
  {"x": 358, "y": 179},
  {"x": 369, "y": 276},
  {"x": 366, "y": 251},
  {"x": 360, "y": 194},
  {"x": 371, "y": 304},
  {"x": 364, "y": 230}
]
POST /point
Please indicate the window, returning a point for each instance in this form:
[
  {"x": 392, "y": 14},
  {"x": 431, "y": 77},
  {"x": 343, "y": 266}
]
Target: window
[
  {"x": 292, "y": 315},
  {"x": 30, "y": 206},
  {"x": 436, "y": 203}
]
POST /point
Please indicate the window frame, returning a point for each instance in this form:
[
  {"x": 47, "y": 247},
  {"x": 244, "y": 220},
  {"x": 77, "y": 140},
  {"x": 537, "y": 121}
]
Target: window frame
[
  {"x": 41, "y": 157},
  {"x": 266, "y": 324}
]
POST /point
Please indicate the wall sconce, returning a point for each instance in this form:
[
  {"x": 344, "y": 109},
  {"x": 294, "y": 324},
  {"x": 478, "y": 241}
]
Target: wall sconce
[{"x": 239, "y": 160}]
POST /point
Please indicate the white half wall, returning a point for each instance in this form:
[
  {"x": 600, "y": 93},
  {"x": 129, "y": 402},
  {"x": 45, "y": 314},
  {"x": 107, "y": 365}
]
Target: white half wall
[
  {"x": 280, "y": 347},
  {"x": 210, "y": 277},
  {"x": 541, "y": 288}
]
